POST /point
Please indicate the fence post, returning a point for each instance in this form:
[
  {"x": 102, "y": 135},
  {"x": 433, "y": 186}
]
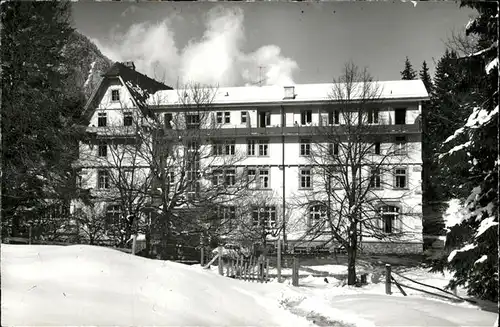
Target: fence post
[
  {"x": 267, "y": 269},
  {"x": 221, "y": 272},
  {"x": 29, "y": 234},
  {"x": 295, "y": 272},
  {"x": 278, "y": 261},
  {"x": 388, "y": 279},
  {"x": 261, "y": 266},
  {"x": 134, "y": 243}
]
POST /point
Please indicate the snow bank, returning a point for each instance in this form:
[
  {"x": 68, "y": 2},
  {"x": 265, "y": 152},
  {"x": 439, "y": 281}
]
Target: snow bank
[{"x": 87, "y": 285}]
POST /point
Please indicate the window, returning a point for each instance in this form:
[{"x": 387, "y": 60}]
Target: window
[
  {"x": 389, "y": 216},
  {"x": 192, "y": 177},
  {"x": 258, "y": 178},
  {"x": 264, "y": 178},
  {"x": 102, "y": 119},
  {"x": 263, "y": 147},
  {"x": 401, "y": 178},
  {"x": 226, "y": 147},
  {"x": 305, "y": 178},
  {"x": 334, "y": 117},
  {"x": 251, "y": 147},
  {"x": 113, "y": 215},
  {"x": 127, "y": 176},
  {"x": 102, "y": 179},
  {"x": 264, "y": 118},
  {"x": 375, "y": 178},
  {"x": 230, "y": 176},
  {"x": 192, "y": 121},
  {"x": 229, "y": 147},
  {"x": 376, "y": 147},
  {"x": 192, "y": 146},
  {"x": 372, "y": 116},
  {"x": 306, "y": 117},
  {"x": 102, "y": 150},
  {"x": 227, "y": 117},
  {"x": 115, "y": 95},
  {"x": 243, "y": 117},
  {"x": 333, "y": 149},
  {"x": 317, "y": 216},
  {"x": 224, "y": 177},
  {"x": 335, "y": 181},
  {"x": 252, "y": 178},
  {"x": 167, "y": 118},
  {"x": 217, "y": 177},
  {"x": 305, "y": 147},
  {"x": 400, "y": 144},
  {"x": 400, "y": 116},
  {"x": 219, "y": 117},
  {"x": 227, "y": 214},
  {"x": 217, "y": 148},
  {"x": 264, "y": 216},
  {"x": 127, "y": 118}
]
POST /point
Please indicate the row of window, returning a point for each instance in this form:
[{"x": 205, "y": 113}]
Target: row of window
[
  {"x": 317, "y": 216},
  {"x": 102, "y": 119},
  {"x": 372, "y": 116},
  {"x": 266, "y": 216},
  {"x": 193, "y": 120},
  {"x": 259, "y": 178},
  {"x": 389, "y": 216},
  {"x": 261, "y": 147}
]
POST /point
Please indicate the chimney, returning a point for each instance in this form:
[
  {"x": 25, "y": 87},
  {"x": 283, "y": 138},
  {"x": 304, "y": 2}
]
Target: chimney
[
  {"x": 289, "y": 92},
  {"x": 129, "y": 64}
]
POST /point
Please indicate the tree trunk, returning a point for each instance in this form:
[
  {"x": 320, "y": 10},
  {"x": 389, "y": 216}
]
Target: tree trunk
[
  {"x": 351, "y": 266},
  {"x": 351, "y": 254}
]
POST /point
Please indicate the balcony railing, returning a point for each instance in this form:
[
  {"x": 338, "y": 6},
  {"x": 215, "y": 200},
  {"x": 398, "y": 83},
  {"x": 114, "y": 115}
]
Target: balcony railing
[
  {"x": 111, "y": 131},
  {"x": 295, "y": 130}
]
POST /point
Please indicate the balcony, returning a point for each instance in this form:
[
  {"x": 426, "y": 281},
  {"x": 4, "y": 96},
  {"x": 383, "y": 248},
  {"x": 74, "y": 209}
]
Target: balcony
[
  {"x": 292, "y": 130},
  {"x": 111, "y": 131}
]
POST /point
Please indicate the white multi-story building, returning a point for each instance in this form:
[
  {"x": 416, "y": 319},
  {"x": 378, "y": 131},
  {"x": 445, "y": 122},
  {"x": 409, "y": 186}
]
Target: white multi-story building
[{"x": 269, "y": 134}]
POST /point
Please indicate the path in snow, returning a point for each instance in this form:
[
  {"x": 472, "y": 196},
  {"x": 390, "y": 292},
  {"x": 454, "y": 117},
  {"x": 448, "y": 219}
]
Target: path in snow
[{"x": 386, "y": 310}]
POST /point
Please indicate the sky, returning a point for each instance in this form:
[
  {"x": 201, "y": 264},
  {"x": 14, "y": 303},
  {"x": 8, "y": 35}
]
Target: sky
[{"x": 269, "y": 43}]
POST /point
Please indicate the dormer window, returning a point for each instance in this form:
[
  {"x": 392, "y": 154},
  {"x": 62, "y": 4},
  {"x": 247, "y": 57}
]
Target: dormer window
[
  {"x": 289, "y": 92},
  {"x": 115, "y": 95}
]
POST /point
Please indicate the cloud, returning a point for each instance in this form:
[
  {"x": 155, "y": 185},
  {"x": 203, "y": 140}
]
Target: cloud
[{"x": 217, "y": 57}]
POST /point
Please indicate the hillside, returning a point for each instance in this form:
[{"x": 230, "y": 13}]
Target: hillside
[{"x": 87, "y": 63}]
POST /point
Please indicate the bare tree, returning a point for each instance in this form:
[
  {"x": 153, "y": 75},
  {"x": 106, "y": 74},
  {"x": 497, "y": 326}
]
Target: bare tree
[
  {"x": 351, "y": 161},
  {"x": 192, "y": 163},
  {"x": 123, "y": 178}
]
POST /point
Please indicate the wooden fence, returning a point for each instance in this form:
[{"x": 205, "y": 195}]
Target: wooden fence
[
  {"x": 240, "y": 267},
  {"x": 389, "y": 279}
]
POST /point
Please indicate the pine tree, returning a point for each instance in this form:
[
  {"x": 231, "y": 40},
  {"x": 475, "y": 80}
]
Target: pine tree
[
  {"x": 474, "y": 241},
  {"x": 38, "y": 111},
  {"x": 408, "y": 72},
  {"x": 425, "y": 77}
]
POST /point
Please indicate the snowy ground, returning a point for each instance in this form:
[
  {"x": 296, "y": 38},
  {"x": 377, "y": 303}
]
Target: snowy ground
[{"x": 85, "y": 285}]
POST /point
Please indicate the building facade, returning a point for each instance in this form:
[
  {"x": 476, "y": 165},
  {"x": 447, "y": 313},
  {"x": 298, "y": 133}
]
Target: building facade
[{"x": 278, "y": 148}]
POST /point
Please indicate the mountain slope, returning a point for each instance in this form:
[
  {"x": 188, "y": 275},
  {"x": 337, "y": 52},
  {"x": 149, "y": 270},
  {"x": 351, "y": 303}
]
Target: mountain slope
[{"x": 87, "y": 63}]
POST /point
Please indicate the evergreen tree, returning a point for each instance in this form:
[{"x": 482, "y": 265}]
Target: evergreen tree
[
  {"x": 425, "y": 77},
  {"x": 474, "y": 241},
  {"x": 408, "y": 72},
  {"x": 38, "y": 111}
]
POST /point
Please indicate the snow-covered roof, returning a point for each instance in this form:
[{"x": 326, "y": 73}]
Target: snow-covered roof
[{"x": 388, "y": 90}]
